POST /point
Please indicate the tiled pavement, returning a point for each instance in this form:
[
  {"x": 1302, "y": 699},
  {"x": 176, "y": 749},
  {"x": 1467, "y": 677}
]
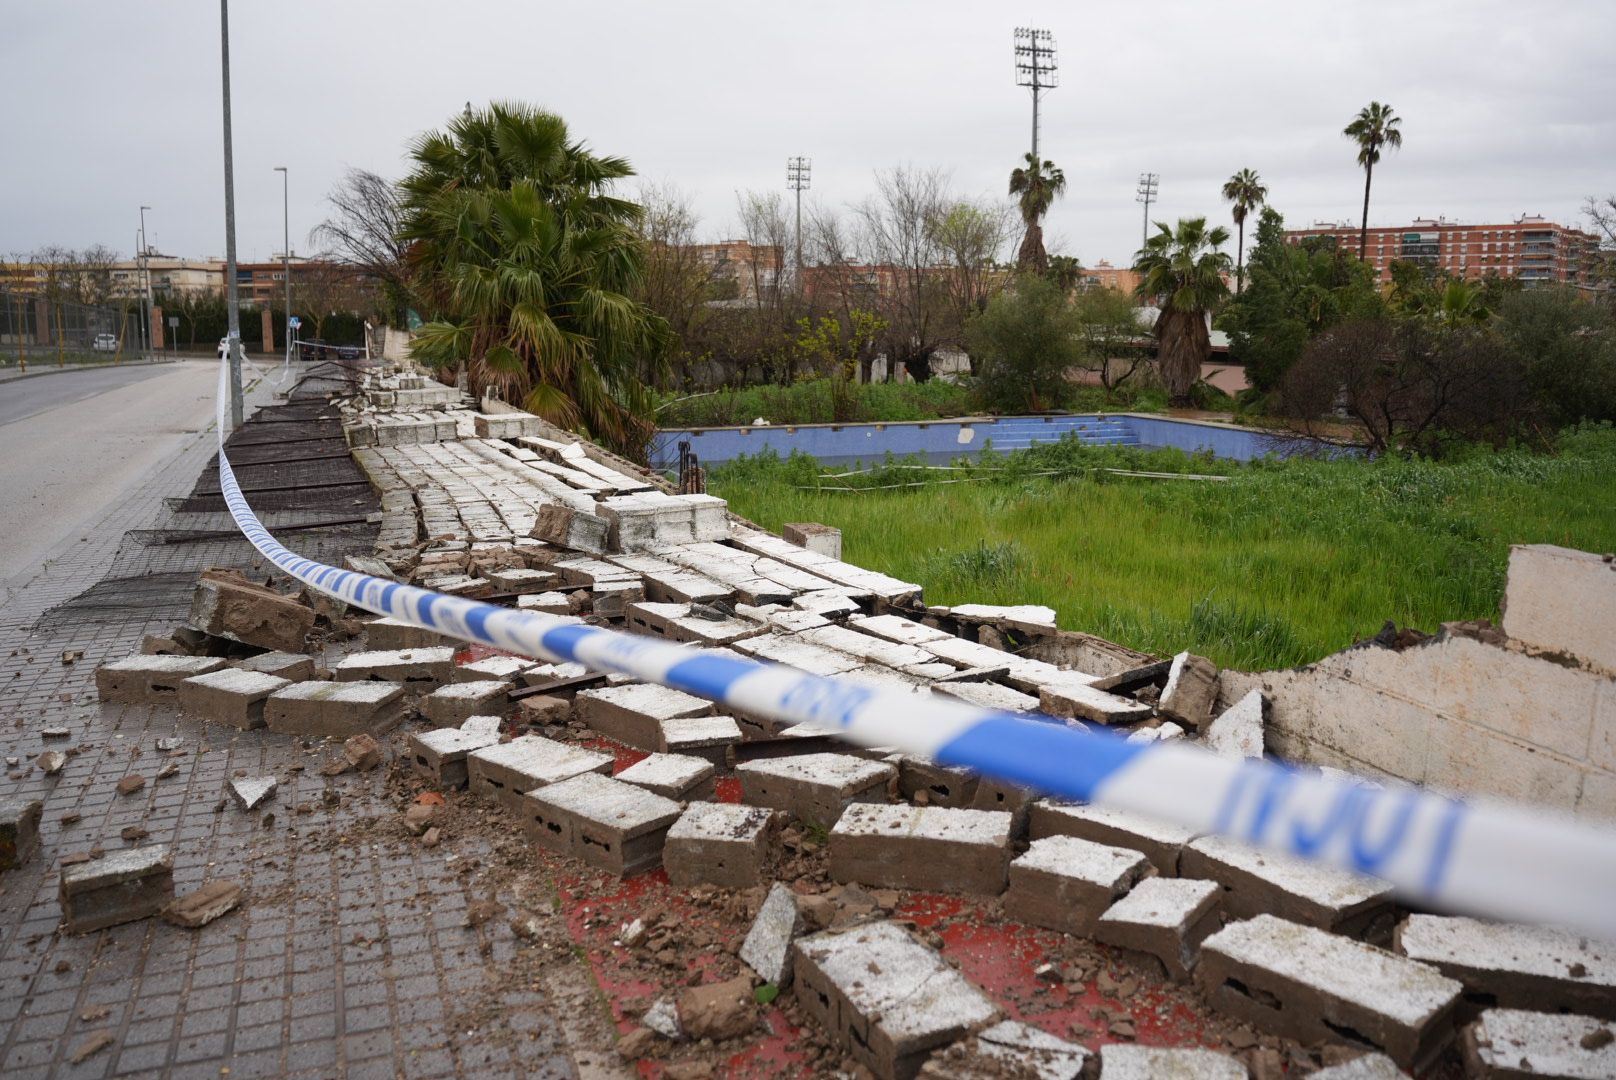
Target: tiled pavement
[{"x": 350, "y": 955}]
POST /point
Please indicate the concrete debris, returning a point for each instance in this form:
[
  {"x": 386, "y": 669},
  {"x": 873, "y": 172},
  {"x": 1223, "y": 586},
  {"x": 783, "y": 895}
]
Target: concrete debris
[
  {"x": 233, "y": 696},
  {"x": 815, "y": 787},
  {"x": 542, "y": 710},
  {"x": 251, "y": 792},
  {"x": 633, "y": 714},
  {"x": 362, "y": 752},
  {"x": 452, "y": 705},
  {"x": 767, "y": 948},
  {"x": 493, "y": 669},
  {"x": 823, "y": 540},
  {"x": 131, "y": 784},
  {"x": 1072, "y": 697},
  {"x": 1008, "y": 1048},
  {"x": 1238, "y": 730},
  {"x": 335, "y": 709},
  {"x": 663, "y": 1018},
  {"x": 196, "y": 909},
  {"x": 723, "y": 844},
  {"x": 414, "y": 668},
  {"x": 1028, "y": 618},
  {"x": 1121, "y": 1061},
  {"x": 1311, "y": 893},
  {"x": 51, "y": 762},
  {"x": 504, "y": 772},
  {"x": 933, "y": 848},
  {"x": 19, "y": 830},
  {"x": 1066, "y": 884},
  {"x": 1514, "y": 966},
  {"x": 1363, "y": 1067},
  {"x": 570, "y": 528},
  {"x": 717, "y": 1011},
  {"x": 673, "y": 776},
  {"x": 141, "y": 680},
  {"x": 1513, "y": 1044},
  {"x": 1159, "y": 841},
  {"x": 227, "y": 605},
  {"x": 93, "y": 1044},
  {"x": 605, "y": 823},
  {"x": 421, "y": 818},
  {"x": 387, "y": 634},
  {"x": 294, "y": 667},
  {"x": 119, "y": 887},
  {"x": 1166, "y": 918}
]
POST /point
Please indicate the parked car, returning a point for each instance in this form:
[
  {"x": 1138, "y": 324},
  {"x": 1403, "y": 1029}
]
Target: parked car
[{"x": 105, "y": 343}]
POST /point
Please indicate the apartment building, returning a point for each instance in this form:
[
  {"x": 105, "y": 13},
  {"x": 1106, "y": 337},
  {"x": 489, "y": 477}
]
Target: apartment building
[{"x": 1530, "y": 248}]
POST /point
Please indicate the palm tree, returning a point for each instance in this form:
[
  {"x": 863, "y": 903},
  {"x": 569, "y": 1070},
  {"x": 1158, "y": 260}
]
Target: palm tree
[
  {"x": 1036, "y": 184},
  {"x": 527, "y": 264},
  {"x": 1183, "y": 271},
  {"x": 1245, "y": 189},
  {"x": 1375, "y": 126}
]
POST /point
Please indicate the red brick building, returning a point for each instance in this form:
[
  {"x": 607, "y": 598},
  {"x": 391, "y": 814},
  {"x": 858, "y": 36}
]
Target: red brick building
[{"x": 1529, "y": 248}]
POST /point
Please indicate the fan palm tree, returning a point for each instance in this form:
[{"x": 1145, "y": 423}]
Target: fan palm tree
[
  {"x": 1035, "y": 185},
  {"x": 1374, "y": 127},
  {"x": 1182, "y": 271},
  {"x": 1245, "y": 189},
  {"x": 527, "y": 264}
]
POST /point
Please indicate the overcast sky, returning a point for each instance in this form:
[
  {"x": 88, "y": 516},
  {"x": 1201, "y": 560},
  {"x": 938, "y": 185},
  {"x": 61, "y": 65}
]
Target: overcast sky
[{"x": 1507, "y": 106}]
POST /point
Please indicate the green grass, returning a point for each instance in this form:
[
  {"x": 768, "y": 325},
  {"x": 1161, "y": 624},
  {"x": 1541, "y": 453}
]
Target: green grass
[{"x": 1282, "y": 564}]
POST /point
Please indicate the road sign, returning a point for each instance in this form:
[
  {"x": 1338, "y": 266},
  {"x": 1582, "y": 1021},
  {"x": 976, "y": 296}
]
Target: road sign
[
  {"x": 294, "y": 322},
  {"x": 173, "y": 321}
]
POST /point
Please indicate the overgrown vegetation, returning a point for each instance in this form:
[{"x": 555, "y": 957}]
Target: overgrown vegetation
[{"x": 1281, "y": 564}]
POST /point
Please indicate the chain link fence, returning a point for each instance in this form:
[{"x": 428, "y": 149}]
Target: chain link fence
[{"x": 36, "y": 329}]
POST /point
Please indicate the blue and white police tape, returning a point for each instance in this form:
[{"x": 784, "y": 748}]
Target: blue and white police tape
[{"x": 1475, "y": 857}]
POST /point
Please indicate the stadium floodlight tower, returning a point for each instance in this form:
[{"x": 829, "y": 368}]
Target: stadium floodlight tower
[
  {"x": 799, "y": 177},
  {"x": 1145, "y": 193},
  {"x": 1036, "y": 68}
]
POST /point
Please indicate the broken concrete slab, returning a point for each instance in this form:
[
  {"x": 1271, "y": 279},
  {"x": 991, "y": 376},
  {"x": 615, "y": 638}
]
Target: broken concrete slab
[
  {"x": 926, "y": 783},
  {"x": 494, "y": 669},
  {"x": 542, "y": 710},
  {"x": 674, "y": 622},
  {"x": 362, "y": 752},
  {"x": 148, "y": 679},
  {"x": 1561, "y": 601},
  {"x": 335, "y": 708},
  {"x": 815, "y": 787},
  {"x": 673, "y": 776},
  {"x": 389, "y": 634},
  {"x": 824, "y": 540},
  {"x": 1066, "y": 884},
  {"x": 1514, "y": 1044},
  {"x": 1008, "y": 1048},
  {"x": 1191, "y": 691},
  {"x": 1071, "y": 697},
  {"x": 605, "y": 823},
  {"x": 505, "y": 771},
  {"x": 708, "y": 737},
  {"x": 1363, "y": 1067},
  {"x": 1301, "y": 890},
  {"x": 251, "y": 792},
  {"x": 196, "y": 909},
  {"x": 633, "y": 714},
  {"x": 417, "y": 669},
  {"x": 767, "y": 948},
  {"x": 1122, "y": 1061},
  {"x": 452, "y": 705},
  {"x": 792, "y": 651},
  {"x": 987, "y": 695},
  {"x": 19, "y": 830},
  {"x": 233, "y": 696},
  {"x": 1305, "y": 983},
  {"x": 899, "y": 629},
  {"x": 1238, "y": 730},
  {"x": 227, "y": 605},
  {"x": 717, "y": 1011},
  {"x": 1159, "y": 841},
  {"x": 522, "y": 580},
  {"x": 1514, "y": 966},
  {"x": 1166, "y": 918},
  {"x": 934, "y": 848},
  {"x": 294, "y": 667},
  {"x": 545, "y": 603},
  {"x": 569, "y": 528},
  {"x": 119, "y": 887},
  {"x": 1028, "y": 618},
  {"x": 892, "y": 1022},
  {"x": 440, "y": 755},
  {"x": 723, "y": 844}
]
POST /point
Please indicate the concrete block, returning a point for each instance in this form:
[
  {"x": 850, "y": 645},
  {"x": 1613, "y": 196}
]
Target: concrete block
[
  {"x": 1066, "y": 884},
  {"x": 605, "y": 823},
  {"x": 1238, "y": 730},
  {"x": 545, "y": 603},
  {"x": 1159, "y": 841},
  {"x": 293, "y": 667},
  {"x": 988, "y": 695},
  {"x": 673, "y": 776},
  {"x": 416, "y": 669},
  {"x": 1310, "y": 893},
  {"x": 452, "y": 705},
  {"x": 1363, "y": 1067},
  {"x": 143, "y": 679},
  {"x": 505, "y": 771},
  {"x": 119, "y": 887},
  {"x": 335, "y": 708},
  {"x": 388, "y": 634},
  {"x": 1008, "y": 1048},
  {"x": 569, "y": 528},
  {"x": 829, "y": 603},
  {"x": 767, "y": 948},
  {"x": 542, "y": 710},
  {"x": 227, "y": 605},
  {"x": 1192, "y": 690},
  {"x": 708, "y": 737},
  {"x": 815, "y": 787},
  {"x": 734, "y": 847},
  {"x": 933, "y": 848},
  {"x": 1514, "y": 966},
  {"x": 1167, "y": 918},
  {"x": 19, "y": 830},
  {"x": 493, "y": 669},
  {"x": 996, "y": 795},
  {"x": 611, "y": 599},
  {"x": 823, "y": 539},
  {"x": 633, "y": 714},
  {"x": 230, "y": 695},
  {"x": 440, "y": 755},
  {"x": 196, "y": 909},
  {"x": 674, "y": 622},
  {"x": 1027, "y": 618},
  {"x": 926, "y": 783},
  {"x": 1311, "y": 985},
  {"x": 1562, "y": 601},
  {"x": 899, "y": 629},
  {"x": 1122, "y": 1061},
  {"x": 522, "y": 580},
  {"x": 890, "y": 1023},
  {"x": 1513, "y": 1044},
  {"x": 1074, "y": 698}
]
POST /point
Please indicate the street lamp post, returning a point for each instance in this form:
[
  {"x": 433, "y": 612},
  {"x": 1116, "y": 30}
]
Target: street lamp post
[
  {"x": 145, "y": 280},
  {"x": 233, "y": 300},
  {"x": 286, "y": 252}
]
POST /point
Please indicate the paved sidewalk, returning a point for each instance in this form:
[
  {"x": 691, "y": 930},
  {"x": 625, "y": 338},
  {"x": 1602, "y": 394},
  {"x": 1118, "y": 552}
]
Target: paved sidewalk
[{"x": 351, "y": 954}]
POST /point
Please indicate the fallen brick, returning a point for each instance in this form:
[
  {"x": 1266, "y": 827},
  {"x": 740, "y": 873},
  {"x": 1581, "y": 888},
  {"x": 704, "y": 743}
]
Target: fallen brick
[
  {"x": 1301, "y": 890},
  {"x": 414, "y": 668},
  {"x": 1159, "y": 841},
  {"x": 251, "y": 792},
  {"x": 731, "y": 846},
  {"x": 815, "y": 787},
  {"x": 505, "y": 771},
  {"x": 1064, "y": 883},
  {"x": 933, "y": 848},
  {"x": 885, "y": 998},
  {"x": 602, "y": 822},
  {"x": 673, "y": 776},
  {"x": 231, "y": 696},
  {"x": 196, "y": 909},
  {"x": 120, "y": 887},
  {"x": 130, "y": 784},
  {"x": 1191, "y": 691},
  {"x": 140, "y": 680},
  {"x": 452, "y": 705},
  {"x": 493, "y": 669},
  {"x": 362, "y": 752},
  {"x": 1166, "y": 918},
  {"x": 561, "y": 525},
  {"x": 1008, "y": 1048},
  {"x": 388, "y": 634},
  {"x": 542, "y": 710},
  {"x": 440, "y": 754},
  {"x": 633, "y": 714},
  {"x": 1311, "y": 985},
  {"x": 292, "y": 666},
  {"x": 19, "y": 830},
  {"x": 227, "y": 605},
  {"x": 335, "y": 709},
  {"x": 1121, "y": 1061},
  {"x": 1514, "y": 1044},
  {"x": 1513, "y": 966},
  {"x": 717, "y": 1011},
  {"x": 767, "y": 948}
]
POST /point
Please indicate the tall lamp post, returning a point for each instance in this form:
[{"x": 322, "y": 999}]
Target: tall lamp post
[
  {"x": 145, "y": 280},
  {"x": 286, "y": 252},
  {"x": 232, "y": 294}
]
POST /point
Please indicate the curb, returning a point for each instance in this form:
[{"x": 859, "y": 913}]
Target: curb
[{"x": 20, "y": 376}]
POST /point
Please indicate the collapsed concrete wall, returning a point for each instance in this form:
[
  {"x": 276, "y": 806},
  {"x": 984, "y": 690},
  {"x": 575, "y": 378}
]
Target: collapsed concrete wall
[{"x": 1522, "y": 711}]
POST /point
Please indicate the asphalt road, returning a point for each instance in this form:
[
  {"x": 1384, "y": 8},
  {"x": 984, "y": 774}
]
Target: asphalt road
[{"x": 72, "y": 444}]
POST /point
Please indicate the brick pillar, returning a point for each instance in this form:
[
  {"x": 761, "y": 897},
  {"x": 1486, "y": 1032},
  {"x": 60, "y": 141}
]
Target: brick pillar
[
  {"x": 44, "y": 325},
  {"x": 157, "y": 329},
  {"x": 269, "y": 331}
]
